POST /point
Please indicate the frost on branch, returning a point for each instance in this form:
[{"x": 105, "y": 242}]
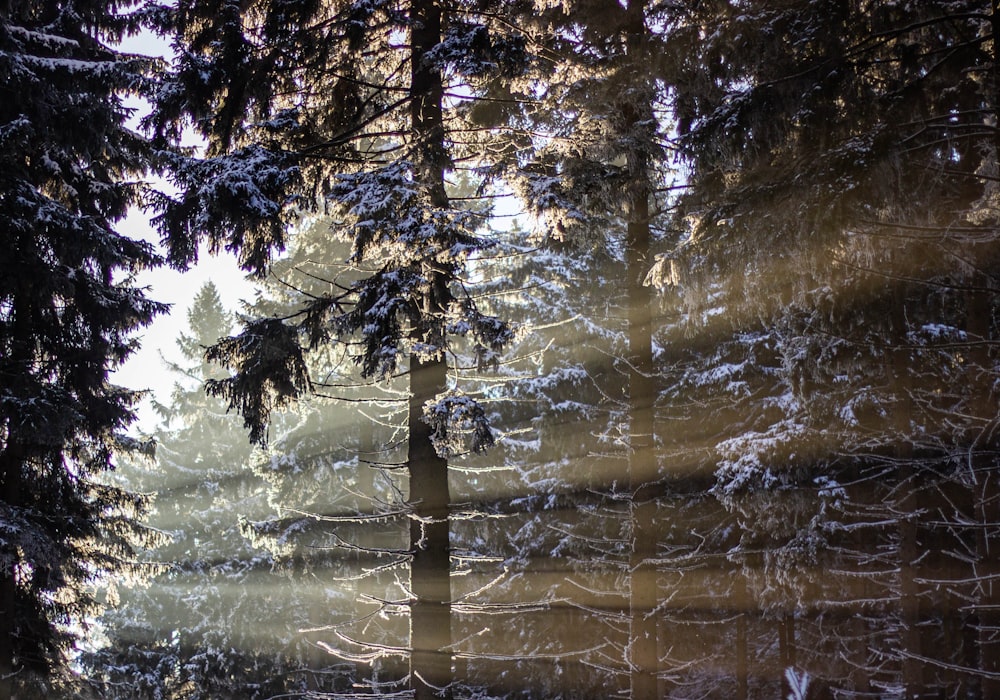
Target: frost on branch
[
  {"x": 554, "y": 197},
  {"x": 392, "y": 217},
  {"x": 243, "y": 201},
  {"x": 269, "y": 372},
  {"x": 798, "y": 683},
  {"x": 758, "y": 460},
  {"x": 382, "y": 300},
  {"x": 470, "y": 50},
  {"x": 416, "y": 248},
  {"x": 490, "y": 334},
  {"x": 453, "y": 418}
]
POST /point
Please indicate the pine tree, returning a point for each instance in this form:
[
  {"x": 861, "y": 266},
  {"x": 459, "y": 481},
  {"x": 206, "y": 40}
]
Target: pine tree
[
  {"x": 841, "y": 163},
  {"x": 551, "y": 558},
  {"x": 603, "y": 171},
  {"x": 68, "y": 306},
  {"x": 307, "y": 100},
  {"x": 223, "y": 617},
  {"x": 339, "y": 520}
]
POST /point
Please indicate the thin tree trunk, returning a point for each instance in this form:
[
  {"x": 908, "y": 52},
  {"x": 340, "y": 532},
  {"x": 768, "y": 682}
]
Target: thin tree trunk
[
  {"x": 987, "y": 494},
  {"x": 909, "y": 602},
  {"x": 11, "y": 474},
  {"x": 786, "y": 649},
  {"x": 430, "y": 615},
  {"x": 742, "y": 649}
]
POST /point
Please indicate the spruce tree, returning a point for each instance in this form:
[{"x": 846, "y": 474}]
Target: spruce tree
[
  {"x": 213, "y": 621},
  {"x": 68, "y": 307},
  {"x": 841, "y": 210},
  {"x": 604, "y": 172},
  {"x": 331, "y": 472},
  {"x": 345, "y": 102}
]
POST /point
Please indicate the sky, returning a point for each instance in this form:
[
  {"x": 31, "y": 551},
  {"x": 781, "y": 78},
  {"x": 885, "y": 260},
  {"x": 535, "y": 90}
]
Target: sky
[{"x": 146, "y": 369}]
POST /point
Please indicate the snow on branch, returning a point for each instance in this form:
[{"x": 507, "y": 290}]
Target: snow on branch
[{"x": 270, "y": 371}]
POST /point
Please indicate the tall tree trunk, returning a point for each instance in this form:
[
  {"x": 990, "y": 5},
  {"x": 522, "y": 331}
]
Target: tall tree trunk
[
  {"x": 786, "y": 649},
  {"x": 644, "y": 658},
  {"x": 430, "y": 582},
  {"x": 987, "y": 496},
  {"x": 742, "y": 641},
  {"x": 10, "y": 462},
  {"x": 909, "y": 602}
]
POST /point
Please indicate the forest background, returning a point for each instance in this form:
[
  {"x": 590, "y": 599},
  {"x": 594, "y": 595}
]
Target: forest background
[{"x": 597, "y": 349}]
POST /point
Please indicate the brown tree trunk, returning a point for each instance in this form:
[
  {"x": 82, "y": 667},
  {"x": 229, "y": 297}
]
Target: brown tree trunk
[
  {"x": 742, "y": 644},
  {"x": 430, "y": 582},
  {"x": 786, "y": 649},
  {"x": 909, "y": 602},
  {"x": 430, "y": 614},
  {"x": 987, "y": 495},
  {"x": 644, "y": 659},
  {"x": 642, "y": 469}
]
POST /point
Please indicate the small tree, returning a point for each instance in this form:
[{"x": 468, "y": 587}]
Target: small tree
[{"x": 219, "y": 618}]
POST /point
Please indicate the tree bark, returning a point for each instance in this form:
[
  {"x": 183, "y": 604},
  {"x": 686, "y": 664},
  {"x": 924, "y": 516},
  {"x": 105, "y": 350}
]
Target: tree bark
[
  {"x": 786, "y": 649},
  {"x": 742, "y": 646},
  {"x": 986, "y": 492},
  {"x": 909, "y": 602},
  {"x": 642, "y": 468},
  {"x": 987, "y": 496},
  {"x": 430, "y": 613}
]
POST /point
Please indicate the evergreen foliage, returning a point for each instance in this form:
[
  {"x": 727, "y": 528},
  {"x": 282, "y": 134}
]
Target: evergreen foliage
[
  {"x": 68, "y": 309},
  {"x": 839, "y": 245},
  {"x": 344, "y": 104},
  {"x": 222, "y": 618},
  {"x": 775, "y": 478}
]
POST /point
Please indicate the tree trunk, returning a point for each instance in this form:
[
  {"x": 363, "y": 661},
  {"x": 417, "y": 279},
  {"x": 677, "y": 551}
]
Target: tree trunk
[
  {"x": 742, "y": 651},
  {"x": 430, "y": 615},
  {"x": 909, "y": 602},
  {"x": 11, "y": 474},
  {"x": 644, "y": 659},
  {"x": 786, "y": 649},
  {"x": 987, "y": 493},
  {"x": 430, "y": 583},
  {"x": 987, "y": 496},
  {"x": 642, "y": 470}
]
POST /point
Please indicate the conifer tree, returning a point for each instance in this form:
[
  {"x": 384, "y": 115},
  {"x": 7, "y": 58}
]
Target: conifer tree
[
  {"x": 841, "y": 202},
  {"x": 603, "y": 171},
  {"x": 338, "y": 521},
  {"x": 68, "y": 307},
  {"x": 346, "y": 102},
  {"x": 214, "y": 619}
]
